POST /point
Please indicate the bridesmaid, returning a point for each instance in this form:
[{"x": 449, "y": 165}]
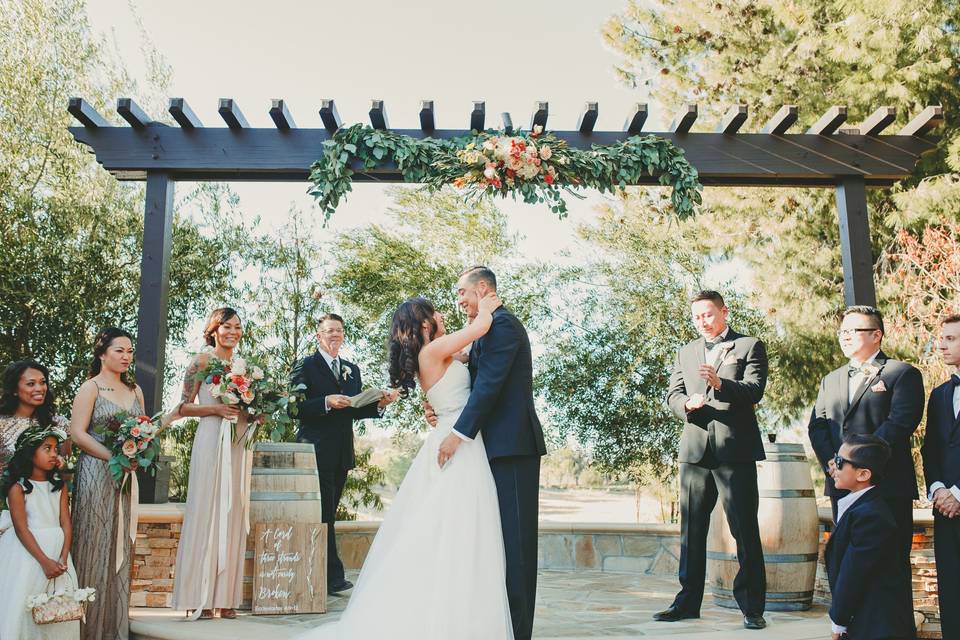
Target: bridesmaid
[
  {"x": 97, "y": 502},
  {"x": 26, "y": 400},
  {"x": 209, "y": 573}
]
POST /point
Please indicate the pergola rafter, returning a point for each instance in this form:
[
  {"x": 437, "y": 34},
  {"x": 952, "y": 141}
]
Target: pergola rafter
[{"x": 826, "y": 155}]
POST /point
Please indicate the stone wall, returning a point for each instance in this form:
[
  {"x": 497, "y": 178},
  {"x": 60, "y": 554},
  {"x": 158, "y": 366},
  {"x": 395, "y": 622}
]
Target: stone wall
[
  {"x": 155, "y": 555},
  {"x": 924, "y": 571}
]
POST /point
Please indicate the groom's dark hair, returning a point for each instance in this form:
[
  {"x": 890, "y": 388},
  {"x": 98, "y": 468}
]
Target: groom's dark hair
[{"x": 476, "y": 274}]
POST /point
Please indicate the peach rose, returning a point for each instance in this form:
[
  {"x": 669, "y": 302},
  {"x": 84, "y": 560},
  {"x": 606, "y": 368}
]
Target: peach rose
[{"x": 129, "y": 448}]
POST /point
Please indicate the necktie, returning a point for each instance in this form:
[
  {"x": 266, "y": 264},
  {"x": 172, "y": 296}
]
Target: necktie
[
  {"x": 854, "y": 371},
  {"x": 335, "y": 366}
]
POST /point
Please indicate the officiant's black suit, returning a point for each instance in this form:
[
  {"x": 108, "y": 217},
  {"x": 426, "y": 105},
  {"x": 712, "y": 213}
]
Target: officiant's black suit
[
  {"x": 892, "y": 413},
  {"x": 941, "y": 463},
  {"x": 719, "y": 450},
  {"x": 331, "y": 434},
  {"x": 501, "y": 408}
]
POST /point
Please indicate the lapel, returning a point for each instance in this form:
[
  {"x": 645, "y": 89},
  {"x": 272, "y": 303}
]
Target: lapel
[
  {"x": 841, "y": 389},
  {"x": 325, "y": 369},
  {"x": 879, "y": 362},
  {"x": 953, "y": 421}
]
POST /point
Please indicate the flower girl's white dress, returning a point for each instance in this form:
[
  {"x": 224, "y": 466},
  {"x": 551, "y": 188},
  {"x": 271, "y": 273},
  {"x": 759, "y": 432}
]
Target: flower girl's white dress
[
  {"x": 21, "y": 575},
  {"x": 436, "y": 569}
]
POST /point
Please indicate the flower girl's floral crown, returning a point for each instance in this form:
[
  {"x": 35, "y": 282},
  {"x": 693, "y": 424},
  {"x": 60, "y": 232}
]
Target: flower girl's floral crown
[{"x": 36, "y": 434}]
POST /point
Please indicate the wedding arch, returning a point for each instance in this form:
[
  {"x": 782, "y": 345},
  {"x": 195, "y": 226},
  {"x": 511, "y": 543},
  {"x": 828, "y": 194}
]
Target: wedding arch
[{"x": 333, "y": 156}]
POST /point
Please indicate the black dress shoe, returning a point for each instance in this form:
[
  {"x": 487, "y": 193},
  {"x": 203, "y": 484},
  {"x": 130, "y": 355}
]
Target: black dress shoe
[
  {"x": 754, "y": 622},
  {"x": 337, "y": 588},
  {"x": 673, "y": 614}
]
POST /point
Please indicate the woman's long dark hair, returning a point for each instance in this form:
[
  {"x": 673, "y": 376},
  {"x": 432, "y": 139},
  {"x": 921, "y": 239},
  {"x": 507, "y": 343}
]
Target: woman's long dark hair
[
  {"x": 9, "y": 400},
  {"x": 103, "y": 341},
  {"x": 20, "y": 469},
  {"x": 406, "y": 340},
  {"x": 217, "y": 317}
]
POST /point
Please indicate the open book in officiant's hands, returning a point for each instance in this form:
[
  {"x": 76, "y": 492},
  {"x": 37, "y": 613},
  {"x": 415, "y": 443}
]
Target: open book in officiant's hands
[{"x": 365, "y": 397}]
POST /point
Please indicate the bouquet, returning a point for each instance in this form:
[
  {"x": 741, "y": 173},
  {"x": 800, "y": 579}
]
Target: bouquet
[
  {"x": 60, "y": 606},
  {"x": 267, "y": 403},
  {"x": 132, "y": 439}
]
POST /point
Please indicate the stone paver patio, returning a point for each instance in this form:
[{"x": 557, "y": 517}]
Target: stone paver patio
[{"x": 571, "y": 606}]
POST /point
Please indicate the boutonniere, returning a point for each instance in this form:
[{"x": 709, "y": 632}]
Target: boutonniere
[
  {"x": 879, "y": 387},
  {"x": 346, "y": 374},
  {"x": 868, "y": 371},
  {"x": 725, "y": 347}
]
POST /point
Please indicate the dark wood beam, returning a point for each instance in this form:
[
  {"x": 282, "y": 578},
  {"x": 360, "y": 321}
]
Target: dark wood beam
[
  {"x": 781, "y": 120},
  {"x": 734, "y": 119},
  {"x": 635, "y": 121},
  {"x": 85, "y": 114},
  {"x": 588, "y": 118},
  {"x": 329, "y": 116},
  {"x": 507, "y": 122},
  {"x": 858, "y": 285},
  {"x": 684, "y": 119},
  {"x": 229, "y": 110},
  {"x": 478, "y": 115},
  {"x": 427, "y": 118},
  {"x": 281, "y": 115},
  {"x": 878, "y": 121},
  {"x": 378, "y": 115},
  {"x": 183, "y": 114},
  {"x": 829, "y": 122},
  {"x": 541, "y": 111},
  {"x": 132, "y": 113},
  {"x": 928, "y": 119},
  {"x": 154, "y": 289},
  {"x": 265, "y": 154}
]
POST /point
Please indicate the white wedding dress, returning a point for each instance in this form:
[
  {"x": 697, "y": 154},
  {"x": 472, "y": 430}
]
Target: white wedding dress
[{"x": 436, "y": 569}]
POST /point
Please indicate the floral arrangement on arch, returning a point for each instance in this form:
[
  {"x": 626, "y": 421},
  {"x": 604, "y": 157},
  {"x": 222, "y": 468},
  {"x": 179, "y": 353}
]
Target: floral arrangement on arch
[{"x": 536, "y": 166}]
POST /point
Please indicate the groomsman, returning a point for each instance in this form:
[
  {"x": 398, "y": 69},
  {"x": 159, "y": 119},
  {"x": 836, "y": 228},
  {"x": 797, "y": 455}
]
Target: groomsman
[
  {"x": 716, "y": 382},
  {"x": 941, "y": 467},
  {"x": 326, "y": 421},
  {"x": 877, "y": 395}
]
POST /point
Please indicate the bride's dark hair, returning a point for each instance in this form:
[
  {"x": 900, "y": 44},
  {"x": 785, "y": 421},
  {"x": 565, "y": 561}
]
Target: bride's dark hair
[{"x": 406, "y": 340}]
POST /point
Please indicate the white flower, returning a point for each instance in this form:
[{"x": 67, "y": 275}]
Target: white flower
[
  {"x": 347, "y": 372},
  {"x": 257, "y": 373},
  {"x": 215, "y": 391},
  {"x": 546, "y": 152},
  {"x": 489, "y": 173},
  {"x": 239, "y": 367},
  {"x": 229, "y": 398}
]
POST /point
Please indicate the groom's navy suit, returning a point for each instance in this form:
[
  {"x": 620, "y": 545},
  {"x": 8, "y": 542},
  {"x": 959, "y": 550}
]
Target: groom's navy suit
[
  {"x": 501, "y": 408},
  {"x": 331, "y": 434}
]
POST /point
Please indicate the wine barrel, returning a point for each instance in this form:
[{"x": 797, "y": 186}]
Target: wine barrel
[
  {"x": 788, "y": 532},
  {"x": 284, "y": 487}
]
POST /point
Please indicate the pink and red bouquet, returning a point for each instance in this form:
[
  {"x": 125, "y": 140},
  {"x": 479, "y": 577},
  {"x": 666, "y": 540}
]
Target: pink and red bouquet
[
  {"x": 132, "y": 441},
  {"x": 249, "y": 387}
]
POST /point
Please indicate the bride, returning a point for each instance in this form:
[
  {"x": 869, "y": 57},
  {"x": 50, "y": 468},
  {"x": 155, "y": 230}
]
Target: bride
[{"x": 436, "y": 568}]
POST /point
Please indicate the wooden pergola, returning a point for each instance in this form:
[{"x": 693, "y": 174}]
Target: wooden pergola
[{"x": 826, "y": 155}]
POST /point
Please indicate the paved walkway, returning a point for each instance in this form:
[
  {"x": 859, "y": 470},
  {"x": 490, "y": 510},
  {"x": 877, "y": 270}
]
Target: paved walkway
[{"x": 571, "y": 606}]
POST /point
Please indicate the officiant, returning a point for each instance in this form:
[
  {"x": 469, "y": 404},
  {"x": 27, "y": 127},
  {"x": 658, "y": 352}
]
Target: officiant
[{"x": 326, "y": 417}]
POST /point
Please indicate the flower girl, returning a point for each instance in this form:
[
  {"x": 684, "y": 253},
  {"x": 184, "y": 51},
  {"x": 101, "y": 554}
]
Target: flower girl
[{"x": 35, "y": 537}]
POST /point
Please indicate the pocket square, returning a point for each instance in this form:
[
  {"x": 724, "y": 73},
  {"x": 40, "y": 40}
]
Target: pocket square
[{"x": 879, "y": 387}]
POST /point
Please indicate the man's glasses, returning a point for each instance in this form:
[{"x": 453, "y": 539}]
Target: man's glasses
[
  {"x": 332, "y": 332},
  {"x": 840, "y": 461},
  {"x": 849, "y": 333}
]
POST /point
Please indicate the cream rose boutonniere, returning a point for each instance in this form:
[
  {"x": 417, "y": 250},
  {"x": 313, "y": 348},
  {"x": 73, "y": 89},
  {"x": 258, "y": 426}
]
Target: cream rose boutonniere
[
  {"x": 346, "y": 374},
  {"x": 868, "y": 371}
]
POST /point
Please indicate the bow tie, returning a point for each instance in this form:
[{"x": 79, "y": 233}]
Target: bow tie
[{"x": 711, "y": 344}]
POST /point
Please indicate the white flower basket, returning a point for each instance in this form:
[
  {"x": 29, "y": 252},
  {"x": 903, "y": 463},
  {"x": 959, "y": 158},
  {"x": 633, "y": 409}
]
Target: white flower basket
[{"x": 53, "y": 606}]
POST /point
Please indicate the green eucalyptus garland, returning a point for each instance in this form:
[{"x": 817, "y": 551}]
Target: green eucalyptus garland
[{"x": 535, "y": 165}]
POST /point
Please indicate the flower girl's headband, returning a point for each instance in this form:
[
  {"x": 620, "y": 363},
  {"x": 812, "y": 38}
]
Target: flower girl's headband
[{"x": 36, "y": 434}]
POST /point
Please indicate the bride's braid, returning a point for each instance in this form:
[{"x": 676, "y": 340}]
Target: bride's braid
[{"x": 406, "y": 340}]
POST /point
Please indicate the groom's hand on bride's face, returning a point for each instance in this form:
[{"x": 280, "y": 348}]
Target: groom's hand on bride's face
[{"x": 429, "y": 414}]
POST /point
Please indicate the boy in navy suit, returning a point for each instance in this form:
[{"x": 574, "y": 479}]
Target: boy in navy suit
[{"x": 867, "y": 589}]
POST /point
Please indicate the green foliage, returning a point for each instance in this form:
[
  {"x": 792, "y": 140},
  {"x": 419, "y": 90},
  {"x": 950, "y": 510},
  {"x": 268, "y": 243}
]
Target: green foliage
[
  {"x": 71, "y": 234},
  {"x": 462, "y": 161}
]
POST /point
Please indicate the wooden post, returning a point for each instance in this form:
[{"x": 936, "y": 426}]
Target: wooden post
[
  {"x": 858, "y": 285},
  {"x": 154, "y": 288}
]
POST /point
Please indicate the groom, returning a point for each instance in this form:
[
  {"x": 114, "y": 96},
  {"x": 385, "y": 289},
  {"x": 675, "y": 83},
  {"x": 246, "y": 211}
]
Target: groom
[{"x": 501, "y": 408}]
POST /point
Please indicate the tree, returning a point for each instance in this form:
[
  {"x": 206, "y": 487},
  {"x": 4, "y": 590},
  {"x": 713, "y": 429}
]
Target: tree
[
  {"x": 70, "y": 233},
  {"x": 814, "y": 53}
]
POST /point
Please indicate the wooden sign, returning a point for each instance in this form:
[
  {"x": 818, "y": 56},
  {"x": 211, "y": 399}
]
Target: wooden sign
[{"x": 290, "y": 568}]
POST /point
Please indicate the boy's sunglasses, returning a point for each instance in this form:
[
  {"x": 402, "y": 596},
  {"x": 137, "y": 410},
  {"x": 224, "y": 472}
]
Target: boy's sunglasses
[{"x": 840, "y": 461}]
